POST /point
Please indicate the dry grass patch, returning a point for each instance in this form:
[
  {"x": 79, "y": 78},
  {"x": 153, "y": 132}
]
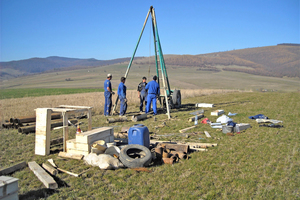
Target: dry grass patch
[{"x": 11, "y": 108}]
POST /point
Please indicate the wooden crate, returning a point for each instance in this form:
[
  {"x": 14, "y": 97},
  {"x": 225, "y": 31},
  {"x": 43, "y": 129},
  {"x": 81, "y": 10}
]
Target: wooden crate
[
  {"x": 89, "y": 137},
  {"x": 83, "y": 141},
  {"x": 8, "y": 187}
]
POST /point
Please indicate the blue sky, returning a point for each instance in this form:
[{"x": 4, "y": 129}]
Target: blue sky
[{"x": 110, "y": 29}]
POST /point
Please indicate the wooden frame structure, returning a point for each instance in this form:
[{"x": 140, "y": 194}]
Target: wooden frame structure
[{"x": 43, "y": 125}]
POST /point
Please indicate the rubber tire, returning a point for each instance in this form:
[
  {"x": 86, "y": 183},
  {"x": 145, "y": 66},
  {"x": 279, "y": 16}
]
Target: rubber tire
[
  {"x": 170, "y": 103},
  {"x": 176, "y": 98},
  {"x": 138, "y": 162}
]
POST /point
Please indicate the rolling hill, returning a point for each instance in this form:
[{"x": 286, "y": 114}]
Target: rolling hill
[
  {"x": 282, "y": 60},
  {"x": 53, "y": 63},
  {"x": 275, "y": 61}
]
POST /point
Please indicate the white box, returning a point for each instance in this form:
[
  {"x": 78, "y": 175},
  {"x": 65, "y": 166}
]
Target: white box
[
  {"x": 217, "y": 112},
  {"x": 8, "y": 186}
]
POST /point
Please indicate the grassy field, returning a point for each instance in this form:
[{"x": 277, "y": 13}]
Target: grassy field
[
  {"x": 179, "y": 77},
  {"x": 259, "y": 163},
  {"x": 37, "y": 92}
]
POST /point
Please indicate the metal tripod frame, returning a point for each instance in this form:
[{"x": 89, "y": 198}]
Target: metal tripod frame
[{"x": 157, "y": 47}]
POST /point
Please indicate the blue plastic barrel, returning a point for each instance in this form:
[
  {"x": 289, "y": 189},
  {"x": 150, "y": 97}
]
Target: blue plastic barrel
[{"x": 139, "y": 134}]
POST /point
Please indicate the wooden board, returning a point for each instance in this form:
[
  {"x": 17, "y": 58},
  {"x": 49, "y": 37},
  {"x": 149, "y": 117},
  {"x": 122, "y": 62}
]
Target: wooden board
[
  {"x": 70, "y": 155},
  {"x": 77, "y": 152},
  {"x": 42, "y": 175},
  {"x": 50, "y": 169},
  {"x": 184, "y": 130},
  {"x": 207, "y": 134},
  {"x": 43, "y": 131},
  {"x": 13, "y": 168}
]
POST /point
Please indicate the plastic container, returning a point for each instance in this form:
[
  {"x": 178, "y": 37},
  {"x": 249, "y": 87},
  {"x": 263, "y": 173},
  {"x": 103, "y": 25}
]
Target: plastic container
[{"x": 139, "y": 134}]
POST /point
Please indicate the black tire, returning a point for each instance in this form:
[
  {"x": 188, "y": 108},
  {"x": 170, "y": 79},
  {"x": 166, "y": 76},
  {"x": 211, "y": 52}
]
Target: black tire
[
  {"x": 135, "y": 155},
  {"x": 170, "y": 102},
  {"x": 176, "y": 98}
]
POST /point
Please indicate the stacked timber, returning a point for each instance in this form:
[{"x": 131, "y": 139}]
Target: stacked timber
[
  {"x": 23, "y": 121},
  {"x": 54, "y": 124},
  {"x": 83, "y": 141}
]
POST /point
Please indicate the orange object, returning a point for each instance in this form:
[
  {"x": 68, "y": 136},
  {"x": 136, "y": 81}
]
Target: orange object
[{"x": 78, "y": 129}]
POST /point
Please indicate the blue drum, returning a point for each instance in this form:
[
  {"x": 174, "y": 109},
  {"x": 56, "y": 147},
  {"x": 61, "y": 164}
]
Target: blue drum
[{"x": 139, "y": 134}]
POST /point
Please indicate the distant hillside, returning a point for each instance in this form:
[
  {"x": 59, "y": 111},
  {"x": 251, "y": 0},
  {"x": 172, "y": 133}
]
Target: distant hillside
[
  {"x": 277, "y": 61},
  {"x": 37, "y": 65}
]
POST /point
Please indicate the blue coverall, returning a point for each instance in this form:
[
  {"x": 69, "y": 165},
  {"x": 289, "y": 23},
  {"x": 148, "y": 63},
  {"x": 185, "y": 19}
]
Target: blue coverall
[
  {"x": 107, "y": 95},
  {"x": 143, "y": 94},
  {"x": 153, "y": 91},
  {"x": 122, "y": 96}
]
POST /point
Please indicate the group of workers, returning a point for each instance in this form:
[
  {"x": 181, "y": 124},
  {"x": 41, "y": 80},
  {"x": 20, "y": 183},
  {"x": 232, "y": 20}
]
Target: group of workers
[{"x": 147, "y": 92}]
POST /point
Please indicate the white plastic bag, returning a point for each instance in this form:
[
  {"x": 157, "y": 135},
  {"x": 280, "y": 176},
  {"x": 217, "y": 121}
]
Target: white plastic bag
[
  {"x": 224, "y": 119},
  {"x": 103, "y": 161}
]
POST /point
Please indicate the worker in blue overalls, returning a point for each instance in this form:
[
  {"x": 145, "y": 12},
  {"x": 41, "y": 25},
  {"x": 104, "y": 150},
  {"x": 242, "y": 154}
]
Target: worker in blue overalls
[
  {"x": 153, "y": 92},
  {"x": 142, "y": 93},
  {"x": 107, "y": 94},
  {"x": 122, "y": 96}
]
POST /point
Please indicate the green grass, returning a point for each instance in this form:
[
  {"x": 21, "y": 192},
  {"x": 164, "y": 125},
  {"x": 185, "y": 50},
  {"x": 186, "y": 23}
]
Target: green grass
[
  {"x": 36, "y": 92},
  {"x": 259, "y": 163}
]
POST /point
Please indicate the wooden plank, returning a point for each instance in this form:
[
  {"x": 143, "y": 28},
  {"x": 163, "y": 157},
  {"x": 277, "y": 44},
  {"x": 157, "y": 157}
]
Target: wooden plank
[
  {"x": 57, "y": 141},
  {"x": 43, "y": 131},
  {"x": 13, "y": 168},
  {"x": 199, "y": 149},
  {"x": 207, "y": 134},
  {"x": 65, "y": 131},
  {"x": 70, "y": 155},
  {"x": 50, "y": 169},
  {"x": 69, "y": 106},
  {"x": 51, "y": 161},
  {"x": 193, "y": 144},
  {"x": 77, "y": 152},
  {"x": 89, "y": 115},
  {"x": 42, "y": 175},
  {"x": 184, "y": 130}
]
